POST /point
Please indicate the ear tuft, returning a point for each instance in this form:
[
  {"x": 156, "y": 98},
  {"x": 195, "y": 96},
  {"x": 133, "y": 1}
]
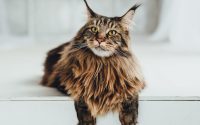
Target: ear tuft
[
  {"x": 90, "y": 12},
  {"x": 135, "y": 7},
  {"x": 127, "y": 18}
]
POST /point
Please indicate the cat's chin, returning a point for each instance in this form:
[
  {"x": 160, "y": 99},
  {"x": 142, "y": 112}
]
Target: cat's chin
[{"x": 101, "y": 53}]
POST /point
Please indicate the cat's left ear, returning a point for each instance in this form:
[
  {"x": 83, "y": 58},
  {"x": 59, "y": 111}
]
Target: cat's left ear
[
  {"x": 90, "y": 12},
  {"x": 128, "y": 16}
]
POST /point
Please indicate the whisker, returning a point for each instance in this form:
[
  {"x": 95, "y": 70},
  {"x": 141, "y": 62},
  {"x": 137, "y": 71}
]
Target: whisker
[
  {"x": 78, "y": 46},
  {"x": 119, "y": 52}
]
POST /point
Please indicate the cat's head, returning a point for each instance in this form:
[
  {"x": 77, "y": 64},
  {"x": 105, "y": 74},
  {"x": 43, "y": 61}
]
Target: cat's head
[{"x": 107, "y": 36}]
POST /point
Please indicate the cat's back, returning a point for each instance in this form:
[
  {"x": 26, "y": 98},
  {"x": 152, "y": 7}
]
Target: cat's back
[{"x": 53, "y": 56}]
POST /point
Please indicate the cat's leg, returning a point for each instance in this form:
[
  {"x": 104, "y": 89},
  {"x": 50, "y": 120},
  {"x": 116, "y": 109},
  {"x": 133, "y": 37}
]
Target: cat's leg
[
  {"x": 83, "y": 114},
  {"x": 129, "y": 112}
]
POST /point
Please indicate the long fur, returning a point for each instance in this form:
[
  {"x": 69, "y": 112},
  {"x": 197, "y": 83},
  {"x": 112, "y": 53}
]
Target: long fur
[{"x": 104, "y": 83}]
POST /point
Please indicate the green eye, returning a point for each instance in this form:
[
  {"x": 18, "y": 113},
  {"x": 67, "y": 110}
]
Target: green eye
[
  {"x": 112, "y": 32},
  {"x": 94, "y": 29}
]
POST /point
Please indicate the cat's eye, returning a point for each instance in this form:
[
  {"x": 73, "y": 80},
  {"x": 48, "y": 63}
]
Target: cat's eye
[
  {"x": 94, "y": 29},
  {"x": 112, "y": 32}
]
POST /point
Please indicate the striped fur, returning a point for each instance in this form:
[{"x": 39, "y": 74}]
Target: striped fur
[{"x": 103, "y": 83}]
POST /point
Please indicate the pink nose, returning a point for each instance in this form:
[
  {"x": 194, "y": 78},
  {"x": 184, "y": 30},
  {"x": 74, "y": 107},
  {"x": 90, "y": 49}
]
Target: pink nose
[{"x": 100, "y": 40}]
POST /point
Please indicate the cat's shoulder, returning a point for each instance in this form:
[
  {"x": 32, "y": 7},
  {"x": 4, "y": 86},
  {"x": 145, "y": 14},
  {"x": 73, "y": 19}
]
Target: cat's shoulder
[{"x": 59, "y": 48}]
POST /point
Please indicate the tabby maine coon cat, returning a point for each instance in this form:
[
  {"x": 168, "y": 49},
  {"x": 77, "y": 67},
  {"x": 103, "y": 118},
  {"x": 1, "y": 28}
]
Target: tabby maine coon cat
[{"x": 97, "y": 69}]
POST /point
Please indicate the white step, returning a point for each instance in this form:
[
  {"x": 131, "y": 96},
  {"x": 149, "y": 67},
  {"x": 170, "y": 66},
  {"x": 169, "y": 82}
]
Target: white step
[
  {"x": 60, "y": 111},
  {"x": 172, "y": 95}
]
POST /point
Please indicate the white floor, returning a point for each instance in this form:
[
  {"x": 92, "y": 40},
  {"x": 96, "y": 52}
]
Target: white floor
[
  {"x": 168, "y": 72},
  {"x": 172, "y": 95}
]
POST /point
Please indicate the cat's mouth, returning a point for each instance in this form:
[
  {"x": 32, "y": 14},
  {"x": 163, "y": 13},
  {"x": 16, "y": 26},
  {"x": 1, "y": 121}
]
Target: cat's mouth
[
  {"x": 100, "y": 48},
  {"x": 100, "y": 51}
]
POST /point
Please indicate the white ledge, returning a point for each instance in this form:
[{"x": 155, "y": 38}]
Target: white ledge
[
  {"x": 142, "y": 98},
  {"x": 170, "y": 75}
]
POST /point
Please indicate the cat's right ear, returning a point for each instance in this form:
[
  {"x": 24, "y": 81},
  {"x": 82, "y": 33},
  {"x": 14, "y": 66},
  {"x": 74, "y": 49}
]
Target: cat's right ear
[{"x": 90, "y": 12}]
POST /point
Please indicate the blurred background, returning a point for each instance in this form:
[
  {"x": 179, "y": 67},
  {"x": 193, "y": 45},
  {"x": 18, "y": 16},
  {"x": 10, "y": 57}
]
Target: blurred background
[
  {"x": 35, "y": 21},
  {"x": 165, "y": 38}
]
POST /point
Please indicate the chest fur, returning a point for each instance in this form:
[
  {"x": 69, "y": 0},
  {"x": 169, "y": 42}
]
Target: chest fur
[{"x": 102, "y": 84}]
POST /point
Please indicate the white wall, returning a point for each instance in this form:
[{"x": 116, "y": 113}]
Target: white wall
[
  {"x": 37, "y": 19},
  {"x": 179, "y": 24},
  {"x": 25, "y": 21}
]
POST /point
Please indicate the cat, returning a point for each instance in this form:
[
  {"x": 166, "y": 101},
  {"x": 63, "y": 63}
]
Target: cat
[{"x": 97, "y": 69}]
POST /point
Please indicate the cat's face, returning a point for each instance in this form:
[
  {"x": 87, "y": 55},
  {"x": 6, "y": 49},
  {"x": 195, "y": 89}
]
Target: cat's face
[{"x": 106, "y": 36}]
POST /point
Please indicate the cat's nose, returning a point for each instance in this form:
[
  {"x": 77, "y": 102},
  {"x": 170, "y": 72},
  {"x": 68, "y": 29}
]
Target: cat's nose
[{"x": 101, "y": 38}]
